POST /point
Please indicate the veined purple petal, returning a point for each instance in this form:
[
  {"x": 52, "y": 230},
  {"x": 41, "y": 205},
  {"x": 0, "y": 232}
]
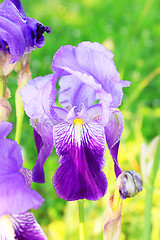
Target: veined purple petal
[
  {"x": 27, "y": 175},
  {"x": 5, "y": 129},
  {"x": 113, "y": 132},
  {"x": 82, "y": 151},
  {"x": 26, "y": 227},
  {"x": 15, "y": 195},
  {"x": 73, "y": 92}
]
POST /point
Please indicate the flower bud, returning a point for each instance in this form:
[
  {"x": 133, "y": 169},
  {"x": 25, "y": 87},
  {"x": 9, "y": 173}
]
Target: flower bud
[
  {"x": 5, "y": 66},
  {"x": 5, "y": 70},
  {"x": 112, "y": 221},
  {"x": 130, "y": 184}
]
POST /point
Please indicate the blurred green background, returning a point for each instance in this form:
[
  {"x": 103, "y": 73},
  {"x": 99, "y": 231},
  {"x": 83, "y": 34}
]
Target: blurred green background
[{"x": 131, "y": 30}]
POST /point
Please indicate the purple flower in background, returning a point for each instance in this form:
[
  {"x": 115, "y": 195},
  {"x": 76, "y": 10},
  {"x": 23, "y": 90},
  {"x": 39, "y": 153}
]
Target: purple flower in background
[
  {"x": 19, "y": 34},
  {"x": 90, "y": 93},
  {"x": 16, "y": 196}
]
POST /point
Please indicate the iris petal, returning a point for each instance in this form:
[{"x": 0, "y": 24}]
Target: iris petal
[
  {"x": 18, "y": 5},
  {"x": 14, "y": 31},
  {"x": 113, "y": 132},
  {"x": 24, "y": 199},
  {"x": 12, "y": 181},
  {"x": 82, "y": 151},
  {"x": 5, "y": 129},
  {"x": 44, "y": 140},
  {"x": 26, "y": 227},
  {"x": 73, "y": 92},
  {"x": 92, "y": 66},
  {"x": 19, "y": 34},
  {"x": 27, "y": 175},
  {"x": 36, "y": 96}
]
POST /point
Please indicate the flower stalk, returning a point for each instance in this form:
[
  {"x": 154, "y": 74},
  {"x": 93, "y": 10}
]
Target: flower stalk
[
  {"x": 3, "y": 84},
  {"x": 6, "y": 69},
  {"x": 24, "y": 74},
  {"x": 112, "y": 217},
  {"x": 153, "y": 155},
  {"x": 5, "y": 108},
  {"x": 147, "y": 213},
  {"x": 128, "y": 185},
  {"x": 117, "y": 199},
  {"x": 81, "y": 220}
]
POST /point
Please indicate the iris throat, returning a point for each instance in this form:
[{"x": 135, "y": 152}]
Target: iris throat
[{"x": 78, "y": 122}]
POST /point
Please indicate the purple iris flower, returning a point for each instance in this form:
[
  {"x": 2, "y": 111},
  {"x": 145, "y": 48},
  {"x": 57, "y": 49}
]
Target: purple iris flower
[
  {"x": 90, "y": 93},
  {"x": 19, "y": 34},
  {"x": 16, "y": 196}
]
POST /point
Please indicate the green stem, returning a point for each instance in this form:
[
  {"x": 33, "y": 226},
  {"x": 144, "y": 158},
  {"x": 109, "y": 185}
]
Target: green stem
[
  {"x": 147, "y": 213},
  {"x": 3, "y": 84},
  {"x": 81, "y": 219},
  {"x": 19, "y": 116},
  {"x": 24, "y": 74},
  {"x": 149, "y": 195}
]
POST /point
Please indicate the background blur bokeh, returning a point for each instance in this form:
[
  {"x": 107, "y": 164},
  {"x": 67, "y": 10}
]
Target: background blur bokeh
[{"x": 131, "y": 30}]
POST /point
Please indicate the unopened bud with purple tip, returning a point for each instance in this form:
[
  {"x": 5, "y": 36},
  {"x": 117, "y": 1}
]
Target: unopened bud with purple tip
[{"x": 130, "y": 184}]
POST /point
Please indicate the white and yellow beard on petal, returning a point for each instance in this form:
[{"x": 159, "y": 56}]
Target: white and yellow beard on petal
[
  {"x": 6, "y": 228},
  {"x": 78, "y": 122}
]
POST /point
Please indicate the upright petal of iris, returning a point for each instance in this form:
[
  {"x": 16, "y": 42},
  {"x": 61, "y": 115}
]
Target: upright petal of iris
[{"x": 93, "y": 65}]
